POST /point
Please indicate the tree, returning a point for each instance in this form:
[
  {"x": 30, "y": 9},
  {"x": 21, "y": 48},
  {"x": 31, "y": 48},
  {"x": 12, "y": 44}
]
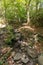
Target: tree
[
  {"x": 27, "y": 10},
  {"x": 37, "y": 3}
]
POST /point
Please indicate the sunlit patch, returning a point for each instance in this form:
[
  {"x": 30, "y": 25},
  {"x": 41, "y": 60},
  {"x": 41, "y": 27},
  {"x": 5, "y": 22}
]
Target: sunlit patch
[
  {"x": 2, "y": 23},
  {"x": 2, "y": 26}
]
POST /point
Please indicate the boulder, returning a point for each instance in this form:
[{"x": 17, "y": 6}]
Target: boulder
[
  {"x": 32, "y": 52},
  {"x": 17, "y": 56}
]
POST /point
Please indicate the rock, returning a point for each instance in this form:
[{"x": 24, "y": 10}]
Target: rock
[
  {"x": 19, "y": 61},
  {"x": 15, "y": 31},
  {"x": 23, "y": 43},
  {"x": 17, "y": 35},
  {"x": 17, "y": 56},
  {"x": 25, "y": 60},
  {"x": 31, "y": 63},
  {"x": 40, "y": 59},
  {"x": 32, "y": 52},
  {"x": 13, "y": 53}
]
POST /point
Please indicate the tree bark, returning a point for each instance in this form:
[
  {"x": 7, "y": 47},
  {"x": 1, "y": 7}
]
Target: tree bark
[{"x": 27, "y": 9}]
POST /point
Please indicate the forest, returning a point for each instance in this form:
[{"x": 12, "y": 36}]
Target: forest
[{"x": 21, "y": 32}]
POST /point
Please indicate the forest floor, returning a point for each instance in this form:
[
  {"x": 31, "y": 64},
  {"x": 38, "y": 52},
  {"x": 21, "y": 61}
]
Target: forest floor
[{"x": 22, "y": 53}]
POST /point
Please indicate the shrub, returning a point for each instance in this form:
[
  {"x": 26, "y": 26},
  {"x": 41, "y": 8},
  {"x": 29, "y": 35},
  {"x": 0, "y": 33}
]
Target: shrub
[
  {"x": 37, "y": 19},
  {"x": 9, "y": 35},
  {"x": 1, "y": 63}
]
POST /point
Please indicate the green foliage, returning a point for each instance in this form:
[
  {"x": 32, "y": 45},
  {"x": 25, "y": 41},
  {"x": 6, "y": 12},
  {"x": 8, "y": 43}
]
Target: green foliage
[
  {"x": 9, "y": 35},
  {"x": 1, "y": 63},
  {"x": 37, "y": 19},
  {"x": 14, "y": 10}
]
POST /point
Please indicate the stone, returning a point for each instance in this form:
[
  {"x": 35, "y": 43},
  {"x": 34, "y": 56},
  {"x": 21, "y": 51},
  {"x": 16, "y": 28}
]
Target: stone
[
  {"x": 13, "y": 53},
  {"x": 31, "y": 63},
  {"x": 17, "y": 34},
  {"x": 17, "y": 56},
  {"x": 32, "y": 52},
  {"x": 25, "y": 60},
  {"x": 16, "y": 31},
  {"x": 40, "y": 59}
]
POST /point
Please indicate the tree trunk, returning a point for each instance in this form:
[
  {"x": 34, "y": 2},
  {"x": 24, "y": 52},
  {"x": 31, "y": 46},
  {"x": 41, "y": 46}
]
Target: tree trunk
[{"x": 27, "y": 9}]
